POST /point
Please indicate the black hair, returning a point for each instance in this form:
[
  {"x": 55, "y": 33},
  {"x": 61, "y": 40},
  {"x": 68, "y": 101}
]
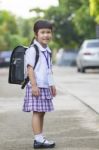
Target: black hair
[{"x": 40, "y": 24}]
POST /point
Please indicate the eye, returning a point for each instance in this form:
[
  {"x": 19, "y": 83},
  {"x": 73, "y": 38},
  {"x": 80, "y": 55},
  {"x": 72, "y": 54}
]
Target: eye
[{"x": 48, "y": 32}]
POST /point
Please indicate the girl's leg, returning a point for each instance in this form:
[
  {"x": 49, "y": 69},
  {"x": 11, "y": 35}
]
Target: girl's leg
[
  {"x": 42, "y": 121},
  {"x": 37, "y": 125},
  {"x": 37, "y": 122}
]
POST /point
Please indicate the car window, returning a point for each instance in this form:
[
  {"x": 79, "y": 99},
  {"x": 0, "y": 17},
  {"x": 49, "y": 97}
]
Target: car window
[
  {"x": 92, "y": 44},
  {"x": 69, "y": 55}
]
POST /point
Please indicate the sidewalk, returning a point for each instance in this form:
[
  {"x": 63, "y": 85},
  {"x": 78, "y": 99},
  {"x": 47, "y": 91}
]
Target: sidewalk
[
  {"x": 72, "y": 125},
  {"x": 84, "y": 87}
]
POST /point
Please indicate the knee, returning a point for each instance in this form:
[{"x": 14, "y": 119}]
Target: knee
[{"x": 40, "y": 114}]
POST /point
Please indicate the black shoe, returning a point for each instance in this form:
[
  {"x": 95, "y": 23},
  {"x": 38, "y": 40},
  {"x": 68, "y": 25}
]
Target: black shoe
[{"x": 43, "y": 145}]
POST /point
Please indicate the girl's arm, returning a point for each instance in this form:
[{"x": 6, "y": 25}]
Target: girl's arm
[
  {"x": 31, "y": 75},
  {"x": 53, "y": 90}
]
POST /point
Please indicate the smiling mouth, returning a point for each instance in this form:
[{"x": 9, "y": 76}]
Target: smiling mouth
[{"x": 46, "y": 39}]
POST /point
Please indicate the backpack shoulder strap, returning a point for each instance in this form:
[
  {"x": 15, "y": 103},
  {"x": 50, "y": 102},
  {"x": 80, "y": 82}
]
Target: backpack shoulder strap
[
  {"x": 37, "y": 55},
  {"x": 50, "y": 56}
]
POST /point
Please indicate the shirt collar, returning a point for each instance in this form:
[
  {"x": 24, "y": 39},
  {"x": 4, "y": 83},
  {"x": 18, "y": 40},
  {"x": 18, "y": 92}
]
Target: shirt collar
[{"x": 40, "y": 46}]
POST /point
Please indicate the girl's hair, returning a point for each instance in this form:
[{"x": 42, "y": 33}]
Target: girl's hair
[{"x": 40, "y": 24}]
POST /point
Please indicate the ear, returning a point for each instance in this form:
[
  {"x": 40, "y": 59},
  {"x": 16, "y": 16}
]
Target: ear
[{"x": 35, "y": 35}]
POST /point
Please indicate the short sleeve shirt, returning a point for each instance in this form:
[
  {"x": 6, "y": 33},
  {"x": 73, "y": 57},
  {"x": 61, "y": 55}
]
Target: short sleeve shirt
[{"x": 43, "y": 69}]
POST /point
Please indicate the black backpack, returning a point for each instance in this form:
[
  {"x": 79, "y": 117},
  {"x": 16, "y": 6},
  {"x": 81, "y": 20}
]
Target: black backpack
[{"x": 16, "y": 68}]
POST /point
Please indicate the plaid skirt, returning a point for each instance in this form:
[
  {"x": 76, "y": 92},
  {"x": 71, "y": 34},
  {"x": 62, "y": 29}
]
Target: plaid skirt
[{"x": 42, "y": 103}]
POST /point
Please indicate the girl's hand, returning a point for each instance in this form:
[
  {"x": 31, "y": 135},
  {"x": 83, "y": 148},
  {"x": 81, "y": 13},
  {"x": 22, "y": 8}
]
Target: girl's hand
[
  {"x": 53, "y": 90},
  {"x": 35, "y": 91}
]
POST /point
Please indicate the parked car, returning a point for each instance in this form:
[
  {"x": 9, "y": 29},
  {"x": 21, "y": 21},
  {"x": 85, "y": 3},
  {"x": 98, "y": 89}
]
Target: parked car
[
  {"x": 88, "y": 55},
  {"x": 5, "y": 58},
  {"x": 66, "y": 58}
]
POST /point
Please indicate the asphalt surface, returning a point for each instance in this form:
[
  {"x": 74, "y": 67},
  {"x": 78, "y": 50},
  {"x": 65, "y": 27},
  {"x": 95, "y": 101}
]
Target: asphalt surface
[{"x": 73, "y": 125}]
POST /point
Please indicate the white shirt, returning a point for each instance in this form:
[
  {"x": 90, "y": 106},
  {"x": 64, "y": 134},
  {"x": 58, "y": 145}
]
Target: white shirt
[{"x": 43, "y": 70}]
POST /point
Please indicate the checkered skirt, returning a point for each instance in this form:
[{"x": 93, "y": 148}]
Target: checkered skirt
[{"x": 42, "y": 103}]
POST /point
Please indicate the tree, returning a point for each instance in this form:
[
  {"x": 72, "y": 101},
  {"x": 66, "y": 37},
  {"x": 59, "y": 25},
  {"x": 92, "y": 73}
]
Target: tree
[
  {"x": 65, "y": 34},
  {"x": 11, "y": 34},
  {"x": 10, "y": 21},
  {"x": 25, "y": 28},
  {"x": 8, "y": 27},
  {"x": 72, "y": 22},
  {"x": 83, "y": 22}
]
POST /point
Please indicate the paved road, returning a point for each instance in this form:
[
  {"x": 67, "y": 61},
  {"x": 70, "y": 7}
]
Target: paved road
[
  {"x": 85, "y": 87},
  {"x": 73, "y": 125}
]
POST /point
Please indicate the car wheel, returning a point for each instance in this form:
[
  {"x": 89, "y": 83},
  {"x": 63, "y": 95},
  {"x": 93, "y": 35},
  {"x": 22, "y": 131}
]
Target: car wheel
[
  {"x": 78, "y": 70},
  {"x": 82, "y": 70}
]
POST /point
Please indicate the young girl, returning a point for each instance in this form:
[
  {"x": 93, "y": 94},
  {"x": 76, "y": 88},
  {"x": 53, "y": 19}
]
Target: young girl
[{"x": 40, "y": 90}]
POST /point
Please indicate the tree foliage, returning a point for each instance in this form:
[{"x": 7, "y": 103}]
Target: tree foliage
[
  {"x": 71, "y": 20},
  {"x": 94, "y": 9},
  {"x": 9, "y": 31}
]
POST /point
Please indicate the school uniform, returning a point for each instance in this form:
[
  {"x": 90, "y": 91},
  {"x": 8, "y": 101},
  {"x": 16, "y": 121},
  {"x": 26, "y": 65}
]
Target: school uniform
[{"x": 44, "y": 79}]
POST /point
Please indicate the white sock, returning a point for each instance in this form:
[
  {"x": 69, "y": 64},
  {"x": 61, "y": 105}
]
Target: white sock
[{"x": 39, "y": 138}]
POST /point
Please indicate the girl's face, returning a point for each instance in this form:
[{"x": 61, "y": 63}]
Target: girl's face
[{"x": 44, "y": 36}]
